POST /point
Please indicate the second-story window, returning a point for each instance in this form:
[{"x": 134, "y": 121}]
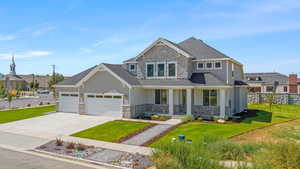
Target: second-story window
[
  {"x": 171, "y": 69},
  {"x": 160, "y": 69},
  {"x": 150, "y": 70},
  {"x": 209, "y": 65},
  {"x": 132, "y": 67},
  {"x": 200, "y": 66},
  {"x": 218, "y": 65}
]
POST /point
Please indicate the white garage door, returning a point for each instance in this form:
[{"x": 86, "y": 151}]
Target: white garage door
[
  {"x": 68, "y": 102},
  {"x": 104, "y": 105}
]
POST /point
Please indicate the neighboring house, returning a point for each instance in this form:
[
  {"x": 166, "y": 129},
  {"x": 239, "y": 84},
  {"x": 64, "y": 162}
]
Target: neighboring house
[
  {"x": 183, "y": 78},
  {"x": 42, "y": 80},
  {"x": 264, "y": 82}
]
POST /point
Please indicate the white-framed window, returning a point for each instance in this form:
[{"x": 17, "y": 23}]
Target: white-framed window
[
  {"x": 161, "y": 69},
  {"x": 200, "y": 65},
  {"x": 132, "y": 67},
  {"x": 218, "y": 65},
  {"x": 161, "y": 96},
  {"x": 209, "y": 65},
  {"x": 210, "y": 97},
  {"x": 150, "y": 69},
  {"x": 172, "y": 69}
]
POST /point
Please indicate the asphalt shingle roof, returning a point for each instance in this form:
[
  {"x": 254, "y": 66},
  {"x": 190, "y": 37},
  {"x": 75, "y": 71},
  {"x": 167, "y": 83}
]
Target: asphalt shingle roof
[
  {"x": 76, "y": 78},
  {"x": 122, "y": 73},
  {"x": 206, "y": 78},
  {"x": 267, "y": 78},
  {"x": 200, "y": 50}
]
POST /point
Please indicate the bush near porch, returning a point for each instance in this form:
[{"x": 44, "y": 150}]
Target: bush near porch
[
  {"x": 112, "y": 131},
  {"x": 20, "y": 114},
  {"x": 196, "y": 130}
]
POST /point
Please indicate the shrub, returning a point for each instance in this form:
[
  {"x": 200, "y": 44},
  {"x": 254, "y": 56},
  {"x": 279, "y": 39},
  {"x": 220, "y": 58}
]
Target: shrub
[
  {"x": 163, "y": 118},
  {"x": 80, "y": 147},
  {"x": 154, "y": 117},
  {"x": 48, "y": 103},
  {"x": 187, "y": 118},
  {"x": 199, "y": 118},
  {"x": 279, "y": 155},
  {"x": 59, "y": 142},
  {"x": 168, "y": 162},
  {"x": 70, "y": 145},
  {"x": 227, "y": 150},
  {"x": 190, "y": 156},
  {"x": 251, "y": 148}
]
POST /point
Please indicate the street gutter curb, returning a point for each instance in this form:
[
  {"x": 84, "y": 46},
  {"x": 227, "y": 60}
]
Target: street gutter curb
[
  {"x": 78, "y": 159},
  {"x": 53, "y": 157}
]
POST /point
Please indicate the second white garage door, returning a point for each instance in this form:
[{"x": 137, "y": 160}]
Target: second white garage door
[{"x": 104, "y": 105}]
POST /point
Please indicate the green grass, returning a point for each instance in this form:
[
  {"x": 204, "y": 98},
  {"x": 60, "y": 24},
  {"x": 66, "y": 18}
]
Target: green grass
[
  {"x": 20, "y": 114},
  {"x": 112, "y": 131},
  {"x": 196, "y": 130}
]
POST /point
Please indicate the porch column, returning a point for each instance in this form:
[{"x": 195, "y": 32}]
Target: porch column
[
  {"x": 222, "y": 102},
  {"x": 171, "y": 102},
  {"x": 189, "y": 101}
]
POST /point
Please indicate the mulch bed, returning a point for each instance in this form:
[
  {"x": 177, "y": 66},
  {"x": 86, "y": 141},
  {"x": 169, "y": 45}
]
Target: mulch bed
[
  {"x": 246, "y": 114},
  {"x": 97, "y": 154},
  {"x": 135, "y": 133}
]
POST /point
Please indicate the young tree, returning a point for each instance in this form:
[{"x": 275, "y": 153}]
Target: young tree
[
  {"x": 10, "y": 95},
  {"x": 2, "y": 90},
  {"x": 270, "y": 99},
  {"x": 55, "y": 78}
]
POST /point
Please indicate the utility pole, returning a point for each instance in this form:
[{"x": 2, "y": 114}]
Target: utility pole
[{"x": 53, "y": 69}]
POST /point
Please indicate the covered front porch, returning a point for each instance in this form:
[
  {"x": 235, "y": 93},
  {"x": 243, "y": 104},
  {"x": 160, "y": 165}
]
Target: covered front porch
[{"x": 181, "y": 101}]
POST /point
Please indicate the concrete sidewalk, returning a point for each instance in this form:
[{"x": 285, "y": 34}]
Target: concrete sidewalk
[{"x": 112, "y": 146}]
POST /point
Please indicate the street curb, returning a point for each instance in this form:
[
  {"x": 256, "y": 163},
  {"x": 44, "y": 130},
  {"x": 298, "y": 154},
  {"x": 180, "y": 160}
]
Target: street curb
[
  {"x": 78, "y": 159},
  {"x": 54, "y": 157},
  {"x": 28, "y": 107}
]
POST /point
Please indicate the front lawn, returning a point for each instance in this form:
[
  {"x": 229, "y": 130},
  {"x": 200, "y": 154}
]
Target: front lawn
[
  {"x": 20, "y": 114},
  {"x": 195, "y": 130},
  {"x": 112, "y": 131}
]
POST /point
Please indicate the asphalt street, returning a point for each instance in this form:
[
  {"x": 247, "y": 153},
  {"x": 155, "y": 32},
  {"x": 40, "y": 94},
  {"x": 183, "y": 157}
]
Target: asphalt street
[{"x": 18, "y": 160}]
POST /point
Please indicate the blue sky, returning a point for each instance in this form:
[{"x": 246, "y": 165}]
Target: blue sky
[{"x": 75, "y": 34}]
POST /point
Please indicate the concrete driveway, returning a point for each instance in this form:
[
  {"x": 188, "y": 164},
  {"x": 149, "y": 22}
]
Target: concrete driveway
[{"x": 53, "y": 125}]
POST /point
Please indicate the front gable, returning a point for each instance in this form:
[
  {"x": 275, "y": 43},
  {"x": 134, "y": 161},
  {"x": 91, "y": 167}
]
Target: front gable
[{"x": 163, "y": 53}]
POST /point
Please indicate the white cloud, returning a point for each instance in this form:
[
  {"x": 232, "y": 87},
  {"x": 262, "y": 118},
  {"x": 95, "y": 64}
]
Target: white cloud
[
  {"x": 43, "y": 30},
  {"x": 7, "y": 37},
  {"x": 26, "y": 54}
]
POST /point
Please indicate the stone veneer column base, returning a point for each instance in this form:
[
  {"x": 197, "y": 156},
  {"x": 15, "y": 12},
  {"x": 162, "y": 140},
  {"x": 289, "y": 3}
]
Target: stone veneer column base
[{"x": 81, "y": 109}]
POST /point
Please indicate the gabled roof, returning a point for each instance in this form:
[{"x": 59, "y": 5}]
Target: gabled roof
[
  {"x": 200, "y": 50},
  {"x": 267, "y": 77},
  {"x": 206, "y": 78},
  {"x": 197, "y": 79},
  {"x": 122, "y": 73},
  {"x": 192, "y": 48},
  {"x": 168, "y": 43},
  {"x": 76, "y": 78}
]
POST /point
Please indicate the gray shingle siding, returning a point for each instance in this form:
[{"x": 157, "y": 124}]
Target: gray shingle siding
[{"x": 163, "y": 53}]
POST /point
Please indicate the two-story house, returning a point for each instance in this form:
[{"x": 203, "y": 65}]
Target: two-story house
[{"x": 183, "y": 78}]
